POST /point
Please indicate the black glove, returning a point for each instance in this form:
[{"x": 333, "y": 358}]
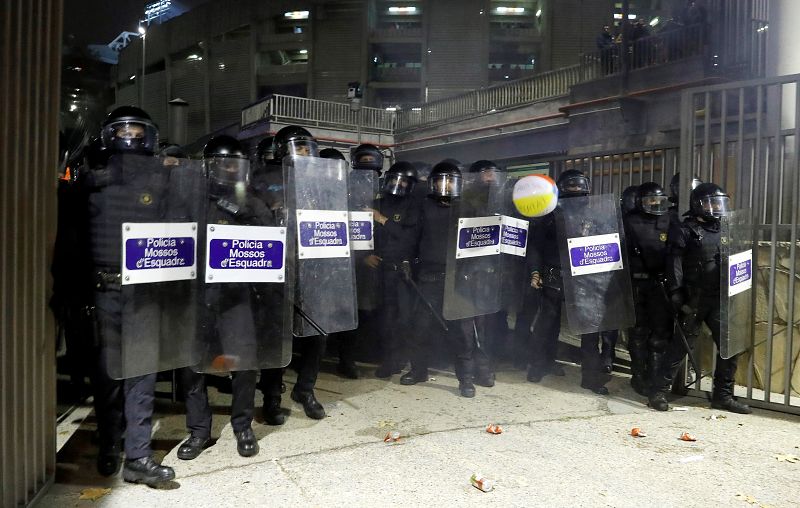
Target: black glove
[{"x": 677, "y": 298}]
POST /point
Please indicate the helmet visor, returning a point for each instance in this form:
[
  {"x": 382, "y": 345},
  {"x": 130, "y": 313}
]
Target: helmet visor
[
  {"x": 655, "y": 205},
  {"x": 574, "y": 186},
  {"x": 302, "y": 148},
  {"x": 444, "y": 185},
  {"x": 227, "y": 171},
  {"x": 715, "y": 206},
  {"x": 131, "y": 135},
  {"x": 398, "y": 185}
]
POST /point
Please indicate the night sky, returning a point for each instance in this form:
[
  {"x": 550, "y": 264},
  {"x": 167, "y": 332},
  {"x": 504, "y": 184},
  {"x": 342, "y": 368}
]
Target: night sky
[{"x": 100, "y": 21}]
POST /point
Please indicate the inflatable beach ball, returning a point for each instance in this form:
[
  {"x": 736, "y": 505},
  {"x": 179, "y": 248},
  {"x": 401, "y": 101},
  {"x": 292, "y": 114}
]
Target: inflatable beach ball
[{"x": 535, "y": 195}]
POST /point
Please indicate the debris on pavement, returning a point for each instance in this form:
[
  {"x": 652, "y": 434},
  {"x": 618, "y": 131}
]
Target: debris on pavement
[
  {"x": 392, "y": 437},
  {"x": 792, "y": 459},
  {"x": 687, "y": 437},
  {"x": 637, "y": 432},
  {"x": 493, "y": 428},
  {"x": 691, "y": 458},
  {"x": 94, "y": 493},
  {"x": 716, "y": 417},
  {"x": 680, "y": 408},
  {"x": 482, "y": 483}
]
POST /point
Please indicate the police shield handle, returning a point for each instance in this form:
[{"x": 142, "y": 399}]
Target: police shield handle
[{"x": 536, "y": 280}]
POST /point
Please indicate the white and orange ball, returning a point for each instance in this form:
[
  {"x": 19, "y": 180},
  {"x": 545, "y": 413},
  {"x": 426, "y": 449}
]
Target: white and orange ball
[{"x": 535, "y": 195}]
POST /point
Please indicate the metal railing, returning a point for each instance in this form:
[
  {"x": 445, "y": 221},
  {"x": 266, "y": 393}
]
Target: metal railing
[
  {"x": 494, "y": 98},
  {"x": 665, "y": 47},
  {"x": 289, "y": 109}
]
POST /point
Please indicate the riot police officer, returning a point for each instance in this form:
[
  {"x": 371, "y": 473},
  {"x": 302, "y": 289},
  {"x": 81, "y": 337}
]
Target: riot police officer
[
  {"x": 693, "y": 275},
  {"x": 230, "y": 320},
  {"x": 396, "y": 215},
  {"x": 367, "y": 157},
  {"x": 444, "y": 186},
  {"x": 295, "y": 141},
  {"x": 115, "y": 197},
  {"x": 646, "y": 229},
  {"x": 627, "y": 201},
  {"x": 546, "y": 275}
]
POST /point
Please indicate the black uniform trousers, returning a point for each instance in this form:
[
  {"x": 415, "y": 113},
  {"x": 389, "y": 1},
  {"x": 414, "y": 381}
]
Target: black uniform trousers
[
  {"x": 395, "y": 314},
  {"x": 120, "y": 405},
  {"x": 470, "y": 359},
  {"x": 234, "y": 327},
  {"x": 708, "y": 312},
  {"x": 544, "y": 340}
]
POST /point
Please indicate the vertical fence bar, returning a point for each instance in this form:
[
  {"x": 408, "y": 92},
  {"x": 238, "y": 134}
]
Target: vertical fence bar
[{"x": 776, "y": 163}]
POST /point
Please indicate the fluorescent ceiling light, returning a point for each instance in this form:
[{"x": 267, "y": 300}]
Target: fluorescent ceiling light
[
  {"x": 391, "y": 108},
  {"x": 510, "y": 10},
  {"x": 617, "y": 15},
  {"x": 403, "y": 10},
  {"x": 296, "y": 15},
  {"x": 303, "y": 51},
  {"x": 654, "y": 21},
  {"x": 538, "y": 13},
  {"x": 416, "y": 109}
]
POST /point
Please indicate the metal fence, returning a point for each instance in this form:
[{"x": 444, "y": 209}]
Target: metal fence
[
  {"x": 289, "y": 109},
  {"x": 611, "y": 173},
  {"x": 746, "y": 137}
]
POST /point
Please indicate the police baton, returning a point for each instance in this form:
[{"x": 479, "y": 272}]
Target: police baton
[
  {"x": 406, "y": 269},
  {"x": 310, "y": 321},
  {"x": 677, "y": 324}
]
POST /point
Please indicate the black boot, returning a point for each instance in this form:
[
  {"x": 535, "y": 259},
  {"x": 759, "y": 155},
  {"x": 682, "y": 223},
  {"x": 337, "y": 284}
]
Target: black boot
[
  {"x": 147, "y": 471},
  {"x": 273, "y": 412},
  {"x": 535, "y": 374},
  {"x": 485, "y": 379},
  {"x": 466, "y": 388},
  {"x": 246, "y": 442},
  {"x": 731, "y": 404},
  {"x": 658, "y": 401},
  {"x": 192, "y": 447},
  {"x": 637, "y": 347},
  {"x": 414, "y": 376},
  {"x": 387, "y": 370},
  {"x": 661, "y": 373},
  {"x": 311, "y": 405},
  {"x": 348, "y": 370},
  {"x": 108, "y": 460}
]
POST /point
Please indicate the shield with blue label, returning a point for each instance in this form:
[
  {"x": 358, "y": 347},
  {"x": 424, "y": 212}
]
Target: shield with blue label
[
  {"x": 319, "y": 214},
  {"x": 473, "y": 282},
  {"x": 737, "y": 271},
  {"x": 247, "y": 299},
  {"x": 157, "y": 213},
  {"x": 594, "y": 265},
  {"x": 362, "y": 191}
]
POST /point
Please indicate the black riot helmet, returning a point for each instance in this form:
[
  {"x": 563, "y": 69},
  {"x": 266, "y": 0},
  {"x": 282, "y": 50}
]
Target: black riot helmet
[
  {"x": 331, "y": 153},
  {"x": 709, "y": 201},
  {"x": 572, "y": 183},
  {"x": 650, "y": 198},
  {"x": 367, "y": 157},
  {"x": 675, "y": 186},
  {"x": 627, "y": 202},
  {"x": 400, "y": 179},
  {"x": 95, "y": 154},
  {"x": 129, "y": 129},
  {"x": 226, "y": 164},
  {"x": 483, "y": 166},
  {"x": 488, "y": 171},
  {"x": 295, "y": 141},
  {"x": 265, "y": 151},
  {"x": 445, "y": 180}
]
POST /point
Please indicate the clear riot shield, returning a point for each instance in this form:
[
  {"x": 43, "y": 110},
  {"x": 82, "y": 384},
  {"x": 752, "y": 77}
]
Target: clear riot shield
[
  {"x": 147, "y": 318},
  {"x": 513, "y": 247},
  {"x": 597, "y": 286},
  {"x": 325, "y": 288},
  {"x": 736, "y": 283},
  {"x": 362, "y": 191},
  {"x": 472, "y": 285},
  {"x": 247, "y": 305}
]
